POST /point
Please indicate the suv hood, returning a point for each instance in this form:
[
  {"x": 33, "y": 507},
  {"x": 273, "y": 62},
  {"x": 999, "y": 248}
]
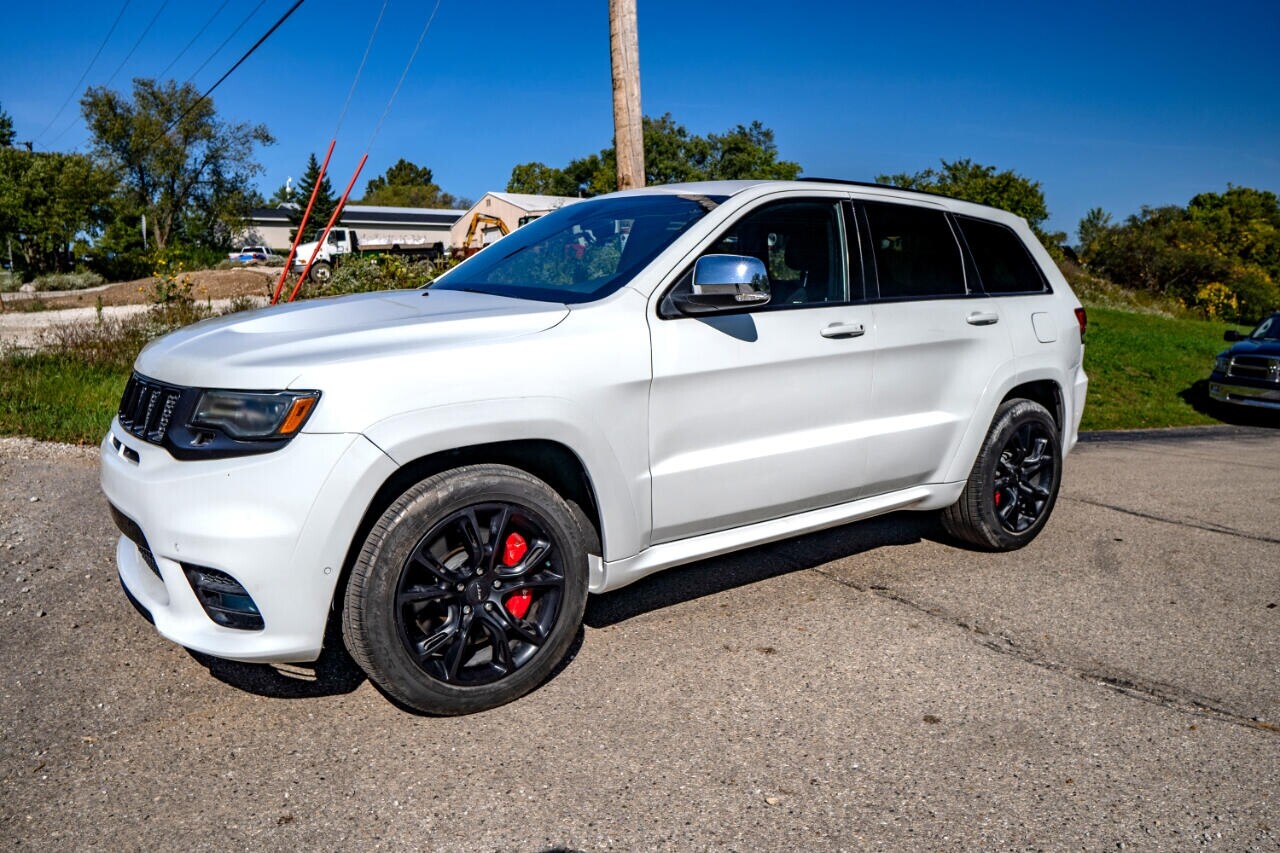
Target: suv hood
[{"x": 268, "y": 348}]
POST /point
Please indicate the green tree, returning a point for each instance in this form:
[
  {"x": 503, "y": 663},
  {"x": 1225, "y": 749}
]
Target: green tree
[
  {"x": 321, "y": 209},
  {"x": 6, "y": 129},
  {"x": 47, "y": 201},
  {"x": 177, "y": 162},
  {"x": 541, "y": 179},
  {"x": 748, "y": 151},
  {"x": 1243, "y": 222},
  {"x": 974, "y": 182},
  {"x": 409, "y": 185},
  {"x": 1221, "y": 253},
  {"x": 1092, "y": 230},
  {"x": 672, "y": 154}
]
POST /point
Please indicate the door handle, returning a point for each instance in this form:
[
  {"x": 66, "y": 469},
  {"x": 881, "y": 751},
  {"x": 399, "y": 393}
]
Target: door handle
[
  {"x": 982, "y": 318},
  {"x": 844, "y": 330}
]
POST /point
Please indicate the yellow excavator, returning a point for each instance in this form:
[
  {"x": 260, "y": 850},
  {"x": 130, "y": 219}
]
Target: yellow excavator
[{"x": 476, "y": 221}]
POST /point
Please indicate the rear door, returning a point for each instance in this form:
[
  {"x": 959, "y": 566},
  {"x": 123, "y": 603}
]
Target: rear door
[{"x": 939, "y": 343}]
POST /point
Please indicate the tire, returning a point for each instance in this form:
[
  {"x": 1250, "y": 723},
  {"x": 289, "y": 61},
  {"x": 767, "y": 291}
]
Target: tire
[
  {"x": 468, "y": 591},
  {"x": 1014, "y": 482},
  {"x": 321, "y": 272}
]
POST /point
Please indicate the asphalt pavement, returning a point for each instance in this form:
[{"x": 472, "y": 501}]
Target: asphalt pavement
[{"x": 1115, "y": 685}]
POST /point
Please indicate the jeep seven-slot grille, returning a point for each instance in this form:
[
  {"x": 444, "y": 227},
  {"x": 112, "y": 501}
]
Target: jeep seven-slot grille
[
  {"x": 147, "y": 407},
  {"x": 1260, "y": 367}
]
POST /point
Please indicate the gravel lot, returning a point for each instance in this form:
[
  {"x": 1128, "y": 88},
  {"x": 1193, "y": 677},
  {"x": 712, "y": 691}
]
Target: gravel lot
[{"x": 1114, "y": 685}]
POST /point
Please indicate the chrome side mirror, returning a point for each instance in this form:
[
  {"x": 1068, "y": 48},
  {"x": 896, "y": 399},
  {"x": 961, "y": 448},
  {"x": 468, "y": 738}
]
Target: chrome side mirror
[{"x": 724, "y": 283}]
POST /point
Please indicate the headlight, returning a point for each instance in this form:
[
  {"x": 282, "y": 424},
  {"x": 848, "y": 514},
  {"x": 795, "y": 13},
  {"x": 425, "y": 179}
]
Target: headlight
[
  {"x": 1221, "y": 363},
  {"x": 254, "y": 414}
]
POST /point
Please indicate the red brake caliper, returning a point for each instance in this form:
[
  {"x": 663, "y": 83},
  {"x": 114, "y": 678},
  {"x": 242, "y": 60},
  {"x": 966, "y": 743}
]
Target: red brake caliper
[{"x": 513, "y": 552}]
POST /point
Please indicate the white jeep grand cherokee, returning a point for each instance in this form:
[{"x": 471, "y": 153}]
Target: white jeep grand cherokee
[{"x": 630, "y": 383}]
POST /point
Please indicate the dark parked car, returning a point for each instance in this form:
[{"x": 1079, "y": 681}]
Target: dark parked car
[{"x": 1248, "y": 374}]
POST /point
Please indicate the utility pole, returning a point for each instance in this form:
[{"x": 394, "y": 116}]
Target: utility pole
[{"x": 628, "y": 129}]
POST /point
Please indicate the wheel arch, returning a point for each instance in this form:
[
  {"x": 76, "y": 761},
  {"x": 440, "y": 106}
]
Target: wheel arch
[
  {"x": 1043, "y": 389},
  {"x": 1047, "y": 393},
  {"x": 550, "y": 461}
]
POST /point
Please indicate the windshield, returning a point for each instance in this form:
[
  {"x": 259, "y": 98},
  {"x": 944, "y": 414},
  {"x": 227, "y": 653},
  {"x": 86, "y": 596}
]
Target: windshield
[
  {"x": 581, "y": 252},
  {"x": 1268, "y": 329}
]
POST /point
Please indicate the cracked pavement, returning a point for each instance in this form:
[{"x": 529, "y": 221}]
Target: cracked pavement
[{"x": 1115, "y": 684}]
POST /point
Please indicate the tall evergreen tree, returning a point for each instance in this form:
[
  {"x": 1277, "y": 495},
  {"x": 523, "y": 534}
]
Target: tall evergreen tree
[
  {"x": 6, "y": 129},
  {"x": 322, "y": 209}
]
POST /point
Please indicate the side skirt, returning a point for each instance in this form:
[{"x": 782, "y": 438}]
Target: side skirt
[{"x": 610, "y": 575}]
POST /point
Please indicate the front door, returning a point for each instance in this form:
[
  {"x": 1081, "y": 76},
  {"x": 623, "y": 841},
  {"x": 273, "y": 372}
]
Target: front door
[{"x": 755, "y": 415}]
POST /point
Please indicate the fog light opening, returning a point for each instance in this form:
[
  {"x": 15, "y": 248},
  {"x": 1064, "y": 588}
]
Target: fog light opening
[{"x": 224, "y": 600}]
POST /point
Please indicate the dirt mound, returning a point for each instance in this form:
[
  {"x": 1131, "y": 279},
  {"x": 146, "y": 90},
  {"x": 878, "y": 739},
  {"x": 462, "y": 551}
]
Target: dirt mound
[{"x": 206, "y": 284}]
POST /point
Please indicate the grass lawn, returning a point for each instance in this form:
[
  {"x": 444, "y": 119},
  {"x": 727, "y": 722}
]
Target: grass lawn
[
  {"x": 1148, "y": 371},
  {"x": 58, "y": 397}
]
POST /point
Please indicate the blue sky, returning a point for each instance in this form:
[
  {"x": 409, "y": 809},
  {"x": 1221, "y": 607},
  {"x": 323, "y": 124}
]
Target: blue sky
[{"x": 1114, "y": 105}]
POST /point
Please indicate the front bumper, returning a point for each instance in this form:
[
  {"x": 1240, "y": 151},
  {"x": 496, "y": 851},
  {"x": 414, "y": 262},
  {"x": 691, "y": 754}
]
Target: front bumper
[
  {"x": 280, "y": 524},
  {"x": 1265, "y": 396}
]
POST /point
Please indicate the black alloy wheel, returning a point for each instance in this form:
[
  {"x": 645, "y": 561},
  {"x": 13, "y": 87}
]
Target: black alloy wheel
[
  {"x": 1024, "y": 477},
  {"x": 1014, "y": 481},
  {"x": 480, "y": 593},
  {"x": 469, "y": 589}
]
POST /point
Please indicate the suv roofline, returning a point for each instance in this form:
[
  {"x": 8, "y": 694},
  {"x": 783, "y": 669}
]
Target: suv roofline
[{"x": 733, "y": 188}]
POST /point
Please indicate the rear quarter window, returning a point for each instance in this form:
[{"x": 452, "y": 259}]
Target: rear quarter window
[{"x": 1003, "y": 262}]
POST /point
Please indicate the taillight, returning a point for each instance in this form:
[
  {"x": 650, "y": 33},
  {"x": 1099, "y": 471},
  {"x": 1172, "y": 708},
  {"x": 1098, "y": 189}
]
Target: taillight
[{"x": 1083, "y": 319}]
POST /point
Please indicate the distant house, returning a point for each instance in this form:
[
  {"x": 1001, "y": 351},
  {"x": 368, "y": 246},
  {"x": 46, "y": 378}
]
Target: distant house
[
  {"x": 376, "y": 226},
  {"x": 513, "y": 209}
]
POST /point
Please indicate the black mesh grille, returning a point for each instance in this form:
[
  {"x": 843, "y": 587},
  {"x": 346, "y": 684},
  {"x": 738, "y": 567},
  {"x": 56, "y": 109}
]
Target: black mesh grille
[{"x": 146, "y": 408}]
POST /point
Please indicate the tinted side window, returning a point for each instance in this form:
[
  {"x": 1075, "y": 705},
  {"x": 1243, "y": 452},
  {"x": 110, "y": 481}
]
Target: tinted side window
[
  {"x": 1004, "y": 264},
  {"x": 802, "y": 247},
  {"x": 915, "y": 251}
]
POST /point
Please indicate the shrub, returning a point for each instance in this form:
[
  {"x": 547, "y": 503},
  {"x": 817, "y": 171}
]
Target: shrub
[
  {"x": 365, "y": 274},
  {"x": 1256, "y": 295},
  {"x": 1217, "y": 301},
  {"x": 1094, "y": 290},
  {"x": 77, "y": 280},
  {"x": 127, "y": 266}
]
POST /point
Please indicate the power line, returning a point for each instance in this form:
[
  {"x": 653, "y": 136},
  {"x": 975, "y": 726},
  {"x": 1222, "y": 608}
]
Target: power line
[
  {"x": 194, "y": 39},
  {"x": 88, "y": 68},
  {"x": 403, "y": 74},
  {"x": 137, "y": 43},
  {"x": 368, "y": 47},
  {"x": 218, "y": 49},
  {"x": 123, "y": 62},
  {"x": 239, "y": 62}
]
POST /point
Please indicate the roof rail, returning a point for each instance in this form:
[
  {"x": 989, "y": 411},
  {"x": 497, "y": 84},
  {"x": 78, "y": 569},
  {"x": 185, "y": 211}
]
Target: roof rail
[{"x": 874, "y": 185}]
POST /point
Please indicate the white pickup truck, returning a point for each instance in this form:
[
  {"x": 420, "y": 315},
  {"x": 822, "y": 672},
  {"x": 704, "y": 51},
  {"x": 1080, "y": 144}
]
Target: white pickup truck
[
  {"x": 345, "y": 241},
  {"x": 629, "y": 383}
]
